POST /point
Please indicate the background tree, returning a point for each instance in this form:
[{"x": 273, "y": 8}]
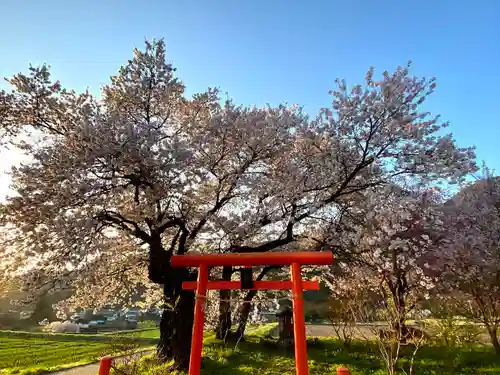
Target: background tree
[
  {"x": 393, "y": 242},
  {"x": 167, "y": 174},
  {"x": 471, "y": 279}
]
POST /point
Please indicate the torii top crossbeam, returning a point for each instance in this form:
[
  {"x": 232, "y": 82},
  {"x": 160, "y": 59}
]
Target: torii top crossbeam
[{"x": 253, "y": 259}]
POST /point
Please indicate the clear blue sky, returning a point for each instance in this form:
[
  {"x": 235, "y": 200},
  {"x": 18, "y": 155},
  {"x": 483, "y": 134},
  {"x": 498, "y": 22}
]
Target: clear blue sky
[{"x": 276, "y": 51}]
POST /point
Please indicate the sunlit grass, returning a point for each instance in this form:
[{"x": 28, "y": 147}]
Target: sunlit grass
[
  {"x": 40, "y": 353},
  {"x": 259, "y": 355},
  {"x": 256, "y": 355}
]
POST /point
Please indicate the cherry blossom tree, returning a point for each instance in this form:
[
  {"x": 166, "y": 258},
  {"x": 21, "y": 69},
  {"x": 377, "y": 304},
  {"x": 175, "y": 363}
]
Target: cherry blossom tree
[
  {"x": 145, "y": 173},
  {"x": 471, "y": 279},
  {"x": 393, "y": 243}
]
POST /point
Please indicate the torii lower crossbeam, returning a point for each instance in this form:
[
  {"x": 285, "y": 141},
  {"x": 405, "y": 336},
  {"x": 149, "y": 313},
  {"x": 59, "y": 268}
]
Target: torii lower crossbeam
[
  {"x": 294, "y": 259},
  {"x": 257, "y": 285}
]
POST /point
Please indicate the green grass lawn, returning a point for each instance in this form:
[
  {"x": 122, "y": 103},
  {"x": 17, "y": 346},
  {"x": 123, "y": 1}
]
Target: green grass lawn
[
  {"x": 36, "y": 353},
  {"x": 32, "y": 355},
  {"x": 258, "y": 355},
  {"x": 26, "y": 353},
  {"x": 143, "y": 334}
]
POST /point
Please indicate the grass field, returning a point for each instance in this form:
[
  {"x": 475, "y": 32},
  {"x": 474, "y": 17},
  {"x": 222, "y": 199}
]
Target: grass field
[
  {"x": 34, "y": 353},
  {"x": 31, "y": 355},
  {"x": 27, "y": 353},
  {"x": 260, "y": 356}
]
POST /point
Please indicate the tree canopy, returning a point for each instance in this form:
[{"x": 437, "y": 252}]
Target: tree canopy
[{"x": 116, "y": 185}]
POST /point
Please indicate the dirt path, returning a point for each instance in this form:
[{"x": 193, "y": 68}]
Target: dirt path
[
  {"x": 80, "y": 370},
  {"x": 93, "y": 369}
]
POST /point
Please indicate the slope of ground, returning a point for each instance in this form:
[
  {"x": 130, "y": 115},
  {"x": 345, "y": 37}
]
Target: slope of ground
[
  {"x": 33, "y": 353},
  {"x": 258, "y": 355}
]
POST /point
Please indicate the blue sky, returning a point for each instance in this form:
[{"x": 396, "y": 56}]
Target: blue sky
[{"x": 275, "y": 51}]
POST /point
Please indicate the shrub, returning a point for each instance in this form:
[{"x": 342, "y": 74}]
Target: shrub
[{"x": 453, "y": 331}]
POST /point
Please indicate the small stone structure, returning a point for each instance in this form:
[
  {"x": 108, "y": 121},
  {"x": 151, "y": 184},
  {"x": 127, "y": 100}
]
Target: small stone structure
[{"x": 285, "y": 326}]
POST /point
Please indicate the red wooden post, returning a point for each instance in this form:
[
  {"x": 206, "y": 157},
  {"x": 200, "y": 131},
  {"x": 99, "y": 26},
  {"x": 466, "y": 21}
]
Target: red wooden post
[
  {"x": 299, "y": 327},
  {"x": 343, "y": 371},
  {"x": 199, "y": 319},
  {"x": 105, "y": 365}
]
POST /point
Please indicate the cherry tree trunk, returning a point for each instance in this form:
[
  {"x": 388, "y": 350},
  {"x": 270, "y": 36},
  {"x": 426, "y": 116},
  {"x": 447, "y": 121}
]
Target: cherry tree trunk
[
  {"x": 223, "y": 330},
  {"x": 178, "y": 312},
  {"x": 245, "y": 310},
  {"x": 399, "y": 327},
  {"x": 493, "y": 331},
  {"x": 176, "y": 330}
]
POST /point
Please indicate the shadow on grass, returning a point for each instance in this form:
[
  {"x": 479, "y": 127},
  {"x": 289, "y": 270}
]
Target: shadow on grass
[
  {"x": 364, "y": 358},
  {"x": 359, "y": 357},
  {"x": 260, "y": 356},
  {"x": 254, "y": 356}
]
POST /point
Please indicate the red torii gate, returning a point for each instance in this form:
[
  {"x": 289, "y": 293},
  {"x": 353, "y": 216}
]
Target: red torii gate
[{"x": 247, "y": 260}]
